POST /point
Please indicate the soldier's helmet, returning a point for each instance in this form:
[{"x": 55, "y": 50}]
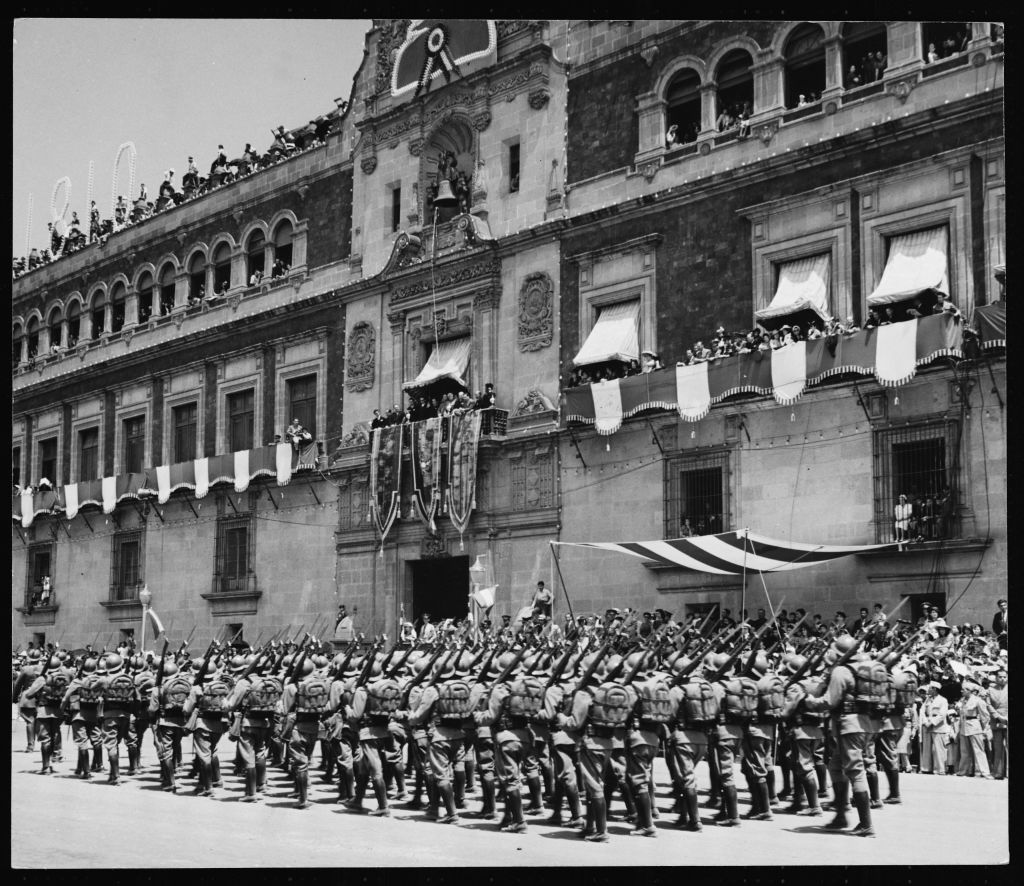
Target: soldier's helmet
[
  {"x": 840, "y": 646},
  {"x": 101, "y": 665},
  {"x": 760, "y": 666},
  {"x": 632, "y": 660},
  {"x": 197, "y": 664},
  {"x": 718, "y": 661},
  {"x": 89, "y": 666},
  {"x": 420, "y": 665},
  {"x": 114, "y": 663},
  {"x": 55, "y": 662},
  {"x": 354, "y": 666},
  {"x": 320, "y": 661},
  {"x": 338, "y": 659},
  {"x": 287, "y": 660},
  {"x": 463, "y": 664},
  {"x": 33, "y": 655},
  {"x": 136, "y": 662},
  {"x": 544, "y": 666},
  {"x": 237, "y": 664},
  {"x": 608, "y": 665},
  {"x": 307, "y": 667},
  {"x": 375, "y": 670},
  {"x": 680, "y": 664},
  {"x": 505, "y": 659},
  {"x": 170, "y": 669},
  {"x": 792, "y": 663}
]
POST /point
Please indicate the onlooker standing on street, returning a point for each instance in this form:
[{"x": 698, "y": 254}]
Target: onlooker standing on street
[
  {"x": 999, "y": 703},
  {"x": 999, "y": 624},
  {"x": 934, "y": 731},
  {"x": 542, "y": 599},
  {"x": 428, "y": 632},
  {"x": 974, "y": 720}
]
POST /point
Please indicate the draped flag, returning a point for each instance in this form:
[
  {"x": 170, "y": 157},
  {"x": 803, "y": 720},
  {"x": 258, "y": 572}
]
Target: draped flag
[
  {"x": 158, "y": 627},
  {"x": 463, "y": 434},
  {"x": 425, "y": 450},
  {"x": 730, "y": 553},
  {"x": 434, "y": 48},
  {"x": 385, "y": 478}
]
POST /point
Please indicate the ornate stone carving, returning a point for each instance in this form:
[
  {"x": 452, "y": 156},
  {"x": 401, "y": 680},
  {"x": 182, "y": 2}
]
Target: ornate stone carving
[
  {"x": 358, "y": 436},
  {"x": 234, "y": 300},
  {"x": 508, "y": 27},
  {"x": 649, "y": 170},
  {"x": 486, "y": 300},
  {"x": 391, "y": 36},
  {"x": 178, "y": 318},
  {"x": 481, "y": 121},
  {"x": 368, "y": 164},
  {"x": 362, "y": 357},
  {"x": 649, "y": 54},
  {"x": 453, "y": 277},
  {"x": 416, "y": 146},
  {"x": 533, "y": 403},
  {"x": 126, "y": 335},
  {"x": 433, "y": 546},
  {"x": 536, "y": 312},
  {"x": 533, "y": 480},
  {"x": 766, "y": 131},
  {"x": 539, "y": 99},
  {"x": 830, "y": 108},
  {"x": 901, "y": 88}
]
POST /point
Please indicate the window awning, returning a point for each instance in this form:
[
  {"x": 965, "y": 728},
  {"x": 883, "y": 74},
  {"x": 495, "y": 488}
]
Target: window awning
[
  {"x": 449, "y": 359},
  {"x": 614, "y": 336},
  {"x": 803, "y": 285},
  {"x": 917, "y": 262}
]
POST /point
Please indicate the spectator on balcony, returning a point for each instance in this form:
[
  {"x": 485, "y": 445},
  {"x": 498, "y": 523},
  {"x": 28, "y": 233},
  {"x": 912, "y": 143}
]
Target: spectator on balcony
[
  {"x": 283, "y": 144},
  {"x": 853, "y": 79},
  {"x": 321, "y": 127},
  {"x": 190, "y": 180},
  {"x": 279, "y": 269},
  {"x": 915, "y": 310},
  {"x": 120, "y": 212},
  {"x": 247, "y": 162},
  {"x": 257, "y": 278},
  {"x": 744, "y": 120},
  {"x": 650, "y": 361},
  {"x": 671, "y": 140},
  {"x": 488, "y": 399},
  {"x": 881, "y": 60},
  {"x": 873, "y": 320},
  {"x": 378, "y": 420},
  {"x": 725, "y": 121},
  {"x": 946, "y": 306},
  {"x": 802, "y": 101},
  {"x": 933, "y": 56},
  {"x": 297, "y": 435},
  {"x": 888, "y": 317},
  {"x": 903, "y": 514}
]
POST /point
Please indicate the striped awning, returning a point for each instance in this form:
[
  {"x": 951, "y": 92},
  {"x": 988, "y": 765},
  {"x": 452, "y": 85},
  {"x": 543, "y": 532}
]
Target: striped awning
[
  {"x": 803, "y": 286},
  {"x": 614, "y": 336},
  {"x": 449, "y": 359},
  {"x": 917, "y": 262},
  {"x": 730, "y": 553}
]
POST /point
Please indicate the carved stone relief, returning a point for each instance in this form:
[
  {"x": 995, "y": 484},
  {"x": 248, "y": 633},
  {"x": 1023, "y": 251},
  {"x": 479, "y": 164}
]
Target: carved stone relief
[
  {"x": 536, "y": 312},
  {"x": 362, "y": 351}
]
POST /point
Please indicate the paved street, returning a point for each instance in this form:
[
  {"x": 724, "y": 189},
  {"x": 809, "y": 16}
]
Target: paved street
[{"x": 942, "y": 821}]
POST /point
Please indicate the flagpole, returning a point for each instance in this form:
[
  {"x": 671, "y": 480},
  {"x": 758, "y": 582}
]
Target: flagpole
[
  {"x": 743, "y": 587},
  {"x": 771, "y": 610},
  {"x": 561, "y": 581}
]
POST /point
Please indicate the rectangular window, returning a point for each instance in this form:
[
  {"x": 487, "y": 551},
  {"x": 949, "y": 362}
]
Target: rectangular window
[
  {"x": 89, "y": 454},
  {"x": 134, "y": 444},
  {"x": 16, "y": 465},
  {"x": 396, "y": 207},
  {"x": 697, "y": 501},
  {"x": 39, "y": 575},
  {"x": 513, "y": 167},
  {"x": 48, "y": 459},
  {"x": 233, "y": 569},
  {"x": 126, "y": 565},
  {"x": 921, "y": 463},
  {"x": 241, "y": 417},
  {"x": 302, "y": 401},
  {"x": 183, "y": 419}
]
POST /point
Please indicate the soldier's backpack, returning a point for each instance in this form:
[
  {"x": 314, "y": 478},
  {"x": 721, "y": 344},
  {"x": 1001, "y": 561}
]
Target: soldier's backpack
[
  {"x": 526, "y": 698},
  {"x": 383, "y": 697},
  {"x": 453, "y": 700},
  {"x": 120, "y": 690},
  {"x": 700, "y": 704},
  {"x": 215, "y": 696},
  {"x": 175, "y": 693},
  {"x": 655, "y": 701},
  {"x": 91, "y": 691},
  {"x": 54, "y": 688},
  {"x": 811, "y": 686},
  {"x": 611, "y": 706},
  {"x": 740, "y": 702},
  {"x": 871, "y": 688},
  {"x": 771, "y": 698},
  {"x": 905, "y": 686},
  {"x": 313, "y": 696},
  {"x": 263, "y": 696}
]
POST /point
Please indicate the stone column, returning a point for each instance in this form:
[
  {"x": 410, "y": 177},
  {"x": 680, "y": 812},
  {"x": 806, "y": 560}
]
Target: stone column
[
  {"x": 131, "y": 308},
  {"x": 181, "y": 289},
  {"x": 904, "y": 49},
  {"x": 833, "y": 68},
  {"x": 85, "y": 331},
  {"x": 44, "y": 340},
  {"x": 769, "y": 97},
  {"x": 299, "y": 236},
  {"x": 239, "y": 277},
  {"x": 485, "y": 317},
  {"x": 651, "y": 113}
]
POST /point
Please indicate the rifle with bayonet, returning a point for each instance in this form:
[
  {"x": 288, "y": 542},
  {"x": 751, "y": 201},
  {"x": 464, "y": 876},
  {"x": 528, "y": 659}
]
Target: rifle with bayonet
[
  {"x": 371, "y": 656},
  {"x": 184, "y": 644},
  {"x": 782, "y": 641},
  {"x": 422, "y": 675},
  {"x": 735, "y": 654}
]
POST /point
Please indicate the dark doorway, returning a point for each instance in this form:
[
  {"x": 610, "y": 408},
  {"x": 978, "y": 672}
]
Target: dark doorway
[
  {"x": 919, "y": 601},
  {"x": 440, "y": 587}
]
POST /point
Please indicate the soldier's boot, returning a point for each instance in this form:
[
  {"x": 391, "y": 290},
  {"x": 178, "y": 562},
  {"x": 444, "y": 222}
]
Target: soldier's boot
[
  {"x": 547, "y": 771},
  {"x": 840, "y": 805},
  {"x": 798, "y": 797},
  {"x": 876, "y": 800},
  {"x": 459, "y": 790},
  {"x": 202, "y": 787},
  {"x": 514, "y": 805},
  {"x": 261, "y": 775},
  {"x": 176, "y": 764},
  {"x": 627, "y": 799},
  {"x": 58, "y": 746},
  {"x": 400, "y": 793},
  {"x": 470, "y": 775},
  {"x": 447, "y": 794},
  {"x": 194, "y": 770},
  {"x": 609, "y": 796},
  {"x": 46, "y": 753},
  {"x": 30, "y": 738},
  {"x": 250, "y": 786},
  {"x": 97, "y": 759},
  {"x": 572, "y": 796},
  {"x": 115, "y": 769},
  {"x": 810, "y": 787},
  {"x": 786, "y": 783},
  {"x": 755, "y": 800},
  {"x": 893, "y": 777},
  {"x": 417, "y": 790},
  {"x": 588, "y": 827},
  {"x": 773, "y": 799},
  {"x": 644, "y": 821},
  {"x": 133, "y": 760},
  {"x": 729, "y": 803},
  {"x": 862, "y": 802},
  {"x": 324, "y": 756},
  {"x": 83, "y": 764},
  {"x": 821, "y": 771},
  {"x": 380, "y": 791},
  {"x": 765, "y": 800},
  {"x": 433, "y": 799},
  {"x": 302, "y": 783},
  {"x": 600, "y": 834},
  {"x": 487, "y": 789},
  {"x": 556, "y": 804},
  {"x": 215, "y": 772},
  {"x": 536, "y": 806},
  {"x": 692, "y": 811}
]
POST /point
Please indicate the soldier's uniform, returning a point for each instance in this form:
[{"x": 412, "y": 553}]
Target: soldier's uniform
[
  {"x": 506, "y": 710},
  {"x": 27, "y": 706},
  {"x": 167, "y": 706},
  {"x": 80, "y": 702},
  {"x": 654, "y": 712},
  {"x": 806, "y": 738},
  {"x": 206, "y": 706},
  {"x": 309, "y": 699},
  {"x": 370, "y": 712},
  {"x": 696, "y": 716},
  {"x": 48, "y": 693},
  {"x": 737, "y": 702},
  {"x": 904, "y": 689},
  {"x": 140, "y": 719},
  {"x": 254, "y": 699},
  {"x": 565, "y": 751},
  {"x": 119, "y": 697},
  {"x": 759, "y": 736}
]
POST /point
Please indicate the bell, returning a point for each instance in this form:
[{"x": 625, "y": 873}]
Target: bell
[{"x": 445, "y": 197}]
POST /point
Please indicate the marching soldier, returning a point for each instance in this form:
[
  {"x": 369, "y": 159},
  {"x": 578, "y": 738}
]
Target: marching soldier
[
  {"x": 204, "y": 711},
  {"x": 81, "y": 702},
  {"x": 119, "y": 696},
  {"x": 139, "y": 721},
  {"x": 806, "y": 736},
  {"x": 370, "y": 712},
  {"x": 254, "y": 699},
  {"x": 759, "y": 737},
  {"x": 168, "y": 708},
  {"x": 27, "y": 706},
  {"x": 48, "y": 692},
  {"x": 904, "y": 690},
  {"x": 308, "y": 699},
  {"x": 654, "y": 711},
  {"x": 737, "y": 701}
]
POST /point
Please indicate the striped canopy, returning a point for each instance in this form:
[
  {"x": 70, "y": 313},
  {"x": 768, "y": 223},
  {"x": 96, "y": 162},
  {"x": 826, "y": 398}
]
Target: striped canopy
[{"x": 729, "y": 553}]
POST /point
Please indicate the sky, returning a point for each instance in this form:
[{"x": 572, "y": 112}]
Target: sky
[{"x": 173, "y": 87}]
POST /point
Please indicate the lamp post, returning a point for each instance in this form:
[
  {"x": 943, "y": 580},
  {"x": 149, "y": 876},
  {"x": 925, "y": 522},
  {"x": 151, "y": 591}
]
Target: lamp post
[{"x": 145, "y": 598}]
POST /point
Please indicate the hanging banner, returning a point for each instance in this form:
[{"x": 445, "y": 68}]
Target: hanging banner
[
  {"x": 425, "y": 448},
  {"x": 463, "y": 435},
  {"x": 385, "y": 478},
  {"x": 436, "y": 48}
]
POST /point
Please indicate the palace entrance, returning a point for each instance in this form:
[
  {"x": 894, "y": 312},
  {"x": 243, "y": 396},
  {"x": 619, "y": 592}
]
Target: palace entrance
[{"x": 440, "y": 587}]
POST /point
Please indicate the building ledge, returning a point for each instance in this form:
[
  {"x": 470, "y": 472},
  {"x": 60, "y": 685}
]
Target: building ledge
[
  {"x": 931, "y": 548},
  {"x": 40, "y": 615},
  {"x": 122, "y": 610},
  {"x": 225, "y": 603}
]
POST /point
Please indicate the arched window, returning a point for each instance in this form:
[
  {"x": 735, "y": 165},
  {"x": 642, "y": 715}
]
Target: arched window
[
  {"x": 941, "y": 40},
  {"x": 805, "y": 65},
  {"x": 117, "y": 306},
  {"x": 222, "y": 268},
  {"x": 283, "y": 245},
  {"x": 16, "y": 339},
  {"x": 449, "y": 154},
  {"x": 255, "y": 254},
  {"x": 74, "y": 323},
  {"x": 197, "y": 277},
  {"x": 166, "y": 289},
  {"x": 145, "y": 290},
  {"x": 735, "y": 84},
  {"x": 99, "y": 314},
  {"x": 33, "y": 338},
  {"x": 865, "y": 53},
  {"x": 55, "y": 325},
  {"x": 682, "y": 106}
]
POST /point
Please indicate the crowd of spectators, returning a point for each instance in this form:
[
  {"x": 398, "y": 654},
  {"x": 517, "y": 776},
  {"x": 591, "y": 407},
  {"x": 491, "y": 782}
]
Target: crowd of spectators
[
  {"x": 951, "y": 45},
  {"x": 425, "y": 406},
  {"x": 222, "y": 172},
  {"x": 871, "y": 68}
]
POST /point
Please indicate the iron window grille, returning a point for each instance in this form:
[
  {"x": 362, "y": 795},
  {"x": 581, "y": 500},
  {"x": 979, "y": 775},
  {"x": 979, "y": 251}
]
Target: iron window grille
[
  {"x": 235, "y": 545},
  {"x": 921, "y": 462},
  {"x": 48, "y": 460},
  {"x": 697, "y": 495},
  {"x": 16, "y": 465},
  {"x": 126, "y": 565}
]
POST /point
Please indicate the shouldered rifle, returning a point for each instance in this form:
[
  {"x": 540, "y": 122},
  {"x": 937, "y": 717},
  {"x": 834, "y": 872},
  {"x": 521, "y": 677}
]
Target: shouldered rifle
[
  {"x": 294, "y": 672},
  {"x": 812, "y": 660},
  {"x": 364, "y": 675},
  {"x": 348, "y": 657},
  {"x": 205, "y": 666},
  {"x": 724, "y": 669},
  {"x": 422, "y": 675},
  {"x": 563, "y": 662},
  {"x": 698, "y": 657},
  {"x": 490, "y": 658},
  {"x": 387, "y": 658},
  {"x": 185, "y": 643},
  {"x": 516, "y": 658},
  {"x": 599, "y": 656},
  {"x": 789, "y": 635},
  {"x": 163, "y": 658},
  {"x": 253, "y": 666},
  {"x": 401, "y": 662},
  {"x": 893, "y": 655}
]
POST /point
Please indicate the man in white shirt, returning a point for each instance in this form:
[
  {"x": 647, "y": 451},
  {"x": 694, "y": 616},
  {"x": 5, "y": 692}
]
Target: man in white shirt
[
  {"x": 428, "y": 632},
  {"x": 903, "y": 512}
]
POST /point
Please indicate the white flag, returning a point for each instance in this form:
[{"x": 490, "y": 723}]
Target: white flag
[{"x": 484, "y": 597}]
